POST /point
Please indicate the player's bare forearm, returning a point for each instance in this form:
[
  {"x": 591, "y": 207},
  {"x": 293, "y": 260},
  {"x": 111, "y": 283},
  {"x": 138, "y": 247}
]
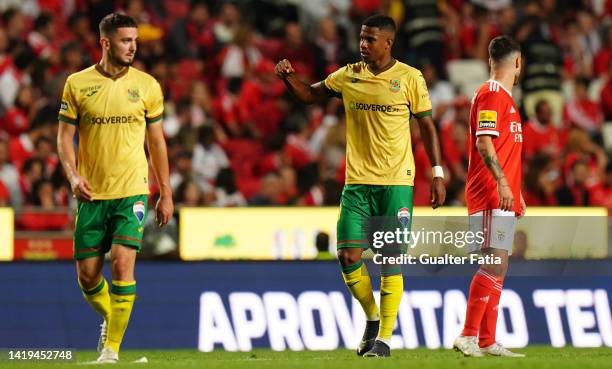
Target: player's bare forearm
[
  {"x": 432, "y": 146},
  {"x": 304, "y": 92},
  {"x": 65, "y": 149},
  {"x": 487, "y": 152},
  {"x": 430, "y": 139},
  {"x": 159, "y": 157},
  {"x": 159, "y": 160}
]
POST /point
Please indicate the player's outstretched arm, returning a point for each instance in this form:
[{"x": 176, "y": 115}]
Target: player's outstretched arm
[
  {"x": 486, "y": 149},
  {"x": 159, "y": 160},
  {"x": 65, "y": 149},
  {"x": 432, "y": 146},
  {"x": 307, "y": 94}
]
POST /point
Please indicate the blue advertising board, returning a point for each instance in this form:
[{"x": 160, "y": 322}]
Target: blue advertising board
[{"x": 301, "y": 305}]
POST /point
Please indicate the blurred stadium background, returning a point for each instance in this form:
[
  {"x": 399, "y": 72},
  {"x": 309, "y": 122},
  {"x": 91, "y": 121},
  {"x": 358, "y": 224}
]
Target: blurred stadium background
[{"x": 257, "y": 176}]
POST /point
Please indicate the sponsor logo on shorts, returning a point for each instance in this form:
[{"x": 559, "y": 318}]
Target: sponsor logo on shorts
[
  {"x": 501, "y": 235},
  {"x": 403, "y": 216},
  {"x": 139, "y": 210}
]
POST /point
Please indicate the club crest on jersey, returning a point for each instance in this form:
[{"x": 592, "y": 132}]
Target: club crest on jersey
[
  {"x": 139, "y": 210},
  {"x": 133, "y": 94},
  {"x": 403, "y": 216},
  {"x": 394, "y": 85},
  {"x": 487, "y": 119}
]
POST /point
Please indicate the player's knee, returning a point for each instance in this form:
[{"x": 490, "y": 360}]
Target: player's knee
[
  {"x": 122, "y": 268},
  {"x": 88, "y": 278},
  {"x": 498, "y": 270},
  {"x": 348, "y": 257}
]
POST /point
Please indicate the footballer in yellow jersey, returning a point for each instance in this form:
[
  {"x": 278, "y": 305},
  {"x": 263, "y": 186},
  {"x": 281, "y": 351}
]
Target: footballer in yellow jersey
[
  {"x": 114, "y": 108},
  {"x": 380, "y": 94}
]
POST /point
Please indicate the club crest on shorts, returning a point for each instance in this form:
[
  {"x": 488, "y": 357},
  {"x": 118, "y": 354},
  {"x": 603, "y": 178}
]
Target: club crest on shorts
[
  {"x": 403, "y": 216},
  {"x": 139, "y": 210}
]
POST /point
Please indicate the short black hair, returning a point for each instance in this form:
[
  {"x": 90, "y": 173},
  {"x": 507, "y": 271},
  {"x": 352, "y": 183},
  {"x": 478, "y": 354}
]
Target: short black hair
[
  {"x": 381, "y": 21},
  {"x": 502, "y": 46},
  {"x": 42, "y": 21},
  {"x": 110, "y": 23}
]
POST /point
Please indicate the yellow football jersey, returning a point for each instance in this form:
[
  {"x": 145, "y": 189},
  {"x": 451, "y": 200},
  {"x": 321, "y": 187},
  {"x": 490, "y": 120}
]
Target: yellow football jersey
[
  {"x": 378, "y": 109},
  {"x": 111, "y": 114}
]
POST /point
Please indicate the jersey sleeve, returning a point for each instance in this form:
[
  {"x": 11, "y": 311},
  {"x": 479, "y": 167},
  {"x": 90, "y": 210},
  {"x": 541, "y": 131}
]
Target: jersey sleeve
[
  {"x": 488, "y": 115},
  {"x": 418, "y": 96},
  {"x": 68, "y": 111},
  {"x": 334, "y": 81},
  {"x": 154, "y": 104}
]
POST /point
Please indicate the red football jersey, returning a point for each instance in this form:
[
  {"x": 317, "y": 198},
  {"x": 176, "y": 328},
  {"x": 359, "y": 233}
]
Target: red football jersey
[{"x": 493, "y": 113}]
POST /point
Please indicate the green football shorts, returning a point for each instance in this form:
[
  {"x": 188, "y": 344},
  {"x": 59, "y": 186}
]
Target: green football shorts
[
  {"x": 101, "y": 223},
  {"x": 367, "y": 208}
]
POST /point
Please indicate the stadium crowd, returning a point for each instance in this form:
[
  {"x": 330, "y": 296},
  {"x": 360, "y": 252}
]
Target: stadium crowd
[{"x": 236, "y": 138}]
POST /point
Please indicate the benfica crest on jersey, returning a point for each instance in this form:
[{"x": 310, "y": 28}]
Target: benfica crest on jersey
[{"x": 394, "y": 85}]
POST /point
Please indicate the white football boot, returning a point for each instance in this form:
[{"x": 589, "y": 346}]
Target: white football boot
[
  {"x": 497, "y": 349},
  {"x": 468, "y": 345}
]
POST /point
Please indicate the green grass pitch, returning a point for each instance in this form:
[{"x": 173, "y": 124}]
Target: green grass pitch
[{"x": 540, "y": 357}]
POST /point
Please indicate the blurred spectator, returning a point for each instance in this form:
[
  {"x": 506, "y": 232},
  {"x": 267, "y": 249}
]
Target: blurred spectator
[
  {"x": 239, "y": 58},
  {"x": 260, "y": 100},
  {"x": 540, "y": 135},
  {"x": 42, "y": 37},
  {"x": 5, "y": 195},
  {"x": 602, "y": 195},
  {"x": 314, "y": 10},
  {"x": 208, "y": 157},
  {"x": 17, "y": 118},
  {"x": 271, "y": 189},
  {"x": 541, "y": 181},
  {"x": 228, "y": 23},
  {"x": 43, "y": 215},
  {"x": 582, "y": 112},
  {"x": 226, "y": 192},
  {"x": 14, "y": 22},
  {"x": 453, "y": 138},
  {"x": 424, "y": 35},
  {"x": 323, "y": 247},
  {"x": 542, "y": 69},
  {"x": 21, "y": 148},
  {"x": 182, "y": 169},
  {"x": 329, "y": 42},
  {"x": 441, "y": 92},
  {"x": 201, "y": 108},
  {"x": 576, "y": 191},
  {"x": 299, "y": 51},
  {"x": 604, "y": 56},
  {"x": 9, "y": 176},
  {"x": 192, "y": 36},
  {"x": 519, "y": 246},
  {"x": 14, "y": 76},
  {"x": 188, "y": 194},
  {"x": 606, "y": 95},
  {"x": 81, "y": 30},
  {"x": 33, "y": 170},
  {"x": 44, "y": 150}
]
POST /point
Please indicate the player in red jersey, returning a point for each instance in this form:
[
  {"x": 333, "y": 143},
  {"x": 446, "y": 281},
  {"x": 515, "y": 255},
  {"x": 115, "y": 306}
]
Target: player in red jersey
[{"x": 493, "y": 194}]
